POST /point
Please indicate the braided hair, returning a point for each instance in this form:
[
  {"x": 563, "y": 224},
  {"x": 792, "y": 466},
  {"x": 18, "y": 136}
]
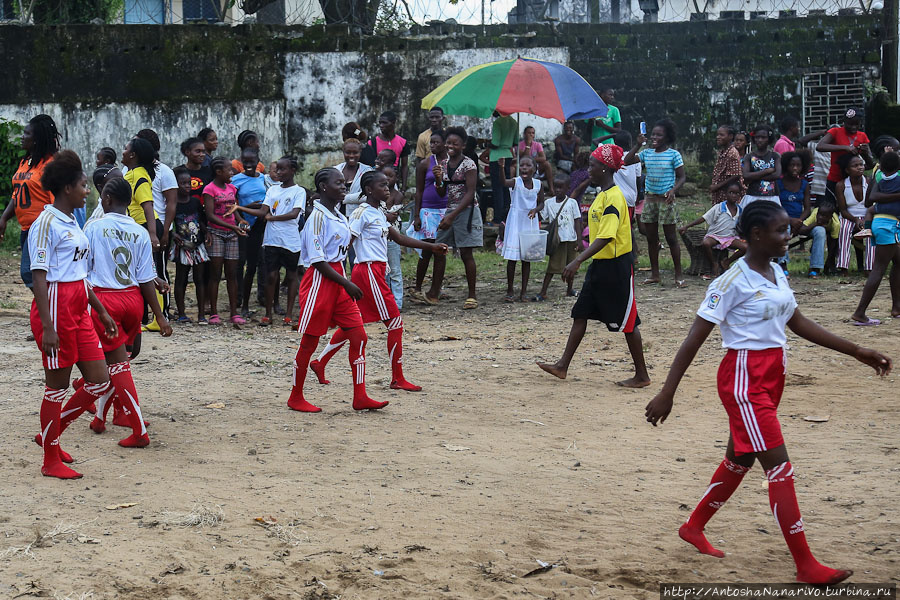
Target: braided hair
[
  {"x": 219, "y": 162},
  {"x": 292, "y": 160},
  {"x": 108, "y": 155},
  {"x": 244, "y": 138},
  {"x": 100, "y": 173},
  {"x": 46, "y": 138},
  {"x": 65, "y": 169},
  {"x": 367, "y": 178},
  {"x": 145, "y": 154},
  {"x": 204, "y": 133},
  {"x": 118, "y": 190},
  {"x": 323, "y": 175},
  {"x": 757, "y": 214}
]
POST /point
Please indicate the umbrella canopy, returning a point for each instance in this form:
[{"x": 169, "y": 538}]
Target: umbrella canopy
[{"x": 526, "y": 85}]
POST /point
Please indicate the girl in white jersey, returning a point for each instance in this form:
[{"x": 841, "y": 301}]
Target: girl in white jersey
[
  {"x": 327, "y": 297},
  {"x": 370, "y": 233},
  {"x": 60, "y": 318},
  {"x": 123, "y": 275},
  {"x": 752, "y": 302}
]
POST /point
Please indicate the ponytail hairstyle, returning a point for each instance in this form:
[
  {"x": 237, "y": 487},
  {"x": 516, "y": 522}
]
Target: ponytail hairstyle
[
  {"x": 204, "y": 133},
  {"x": 118, "y": 190},
  {"x": 322, "y": 177},
  {"x": 245, "y": 137},
  {"x": 146, "y": 155},
  {"x": 757, "y": 214},
  {"x": 46, "y": 138},
  {"x": 108, "y": 155},
  {"x": 64, "y": 169},
  {"x": 150, "y": 136},
  {"x": 458, "y": 132}
]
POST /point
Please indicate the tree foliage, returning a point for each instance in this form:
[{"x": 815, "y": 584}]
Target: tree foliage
[{"x": 58, "y": 12}]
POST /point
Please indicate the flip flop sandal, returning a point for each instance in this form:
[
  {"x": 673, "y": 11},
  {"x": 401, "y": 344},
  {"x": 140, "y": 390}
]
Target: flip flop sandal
[
  {"x": 509, "y": 298},
  {"x": 870, "y": 322},
  {"x": 813, "y": 274},
  {"x": 214, "y": 320},
  {"x": 265, "y": 322},
  {"x": 183, "y": 320},
  {"x": 538, "y": 298},
  {"x": 429, "y": 300},
  {"x": 650, "y": 282},
  {"x": 705, "y": 277},
  {"x": 680, "y": 283},
  {"x": 470, "y": 303}
]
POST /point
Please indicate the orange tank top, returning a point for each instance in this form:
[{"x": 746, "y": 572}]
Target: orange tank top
[{"x": 28, "y": 194}]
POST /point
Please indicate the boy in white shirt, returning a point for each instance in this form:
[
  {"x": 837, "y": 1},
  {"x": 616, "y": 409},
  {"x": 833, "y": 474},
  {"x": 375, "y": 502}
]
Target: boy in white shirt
[
  {"x": 721, "y": 222},
  {"x": 566, "y": 213}
]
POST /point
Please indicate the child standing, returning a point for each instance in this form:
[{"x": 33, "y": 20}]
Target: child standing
[
  {"x": 752, "y": 303},
  {"x": 608, "y": 291},
  {"x": 189, "y": 250},
  {"x": 251, "y": 191},
  {"x": 219, "y": 197},
  {"x": 391, "y": 208},
  {"x": 664, "y": 170},
  {"x": 526, "y": 202},
  {"x": 721, "y": 223},
  {"x": 327, "y": 297},
  {"x": 370, "y": 233},
  {"x": 761, "y": 168},
  {"x": 565, "y": 212}
]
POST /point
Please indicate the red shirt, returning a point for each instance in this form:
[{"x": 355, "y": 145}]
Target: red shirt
[{"x": 839, "y": 137}]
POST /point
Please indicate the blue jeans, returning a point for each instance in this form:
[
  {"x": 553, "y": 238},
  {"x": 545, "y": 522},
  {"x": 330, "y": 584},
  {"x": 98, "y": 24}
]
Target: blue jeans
[
  {"x": 395, "y": 275},
  {"x": 25, "y": 264},
  {"x": 817, "y": 252}
]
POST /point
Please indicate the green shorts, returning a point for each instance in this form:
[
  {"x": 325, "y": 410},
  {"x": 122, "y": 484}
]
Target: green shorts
[{"x": 657, "y": 211}]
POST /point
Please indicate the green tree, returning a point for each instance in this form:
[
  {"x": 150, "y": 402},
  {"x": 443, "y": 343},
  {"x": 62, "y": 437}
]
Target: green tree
[{"x": 11, "y": 152}]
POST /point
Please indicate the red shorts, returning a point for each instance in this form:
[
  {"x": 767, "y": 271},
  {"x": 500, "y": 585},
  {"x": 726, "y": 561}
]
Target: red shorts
[
  {"x": 324, "y": 304},
  {"x": 750, "y": 386},
  {"x": 126, "y": 307},
  {"x": 378, "y": 303},
  {"x": 72, "y": 321}
]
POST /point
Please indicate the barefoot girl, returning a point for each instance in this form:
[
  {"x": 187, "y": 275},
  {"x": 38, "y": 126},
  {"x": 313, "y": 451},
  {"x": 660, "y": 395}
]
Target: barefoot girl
[
  {"x": 608, "y": 291},
  {"x": 370, "y": 233},
  {"x": 123, "y": 276},
  {"x": 429, "y": 209},
  {"x": 664, "y": 176},
  {"x": 752, "y": 302},
  {"x": 219, "y": 198},
  {"x": 526, "y": 203},
  {"x": 327, "y": 297},
  {"x": 281, "y": 209},
  {"x": 721, "y": 222},
  {"x": 60, "y": 318}
]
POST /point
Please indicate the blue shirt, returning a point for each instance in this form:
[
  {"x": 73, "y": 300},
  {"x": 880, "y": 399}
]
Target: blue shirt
[
  {"x": 792, "y": 202},
  {"x": 249, "y": 190},
  {"x": 888, "y": 185},
  {"x": 659, "y": 169}
]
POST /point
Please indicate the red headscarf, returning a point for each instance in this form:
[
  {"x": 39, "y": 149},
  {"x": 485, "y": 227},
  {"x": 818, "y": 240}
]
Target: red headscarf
[{"x": 610, "y": 155}]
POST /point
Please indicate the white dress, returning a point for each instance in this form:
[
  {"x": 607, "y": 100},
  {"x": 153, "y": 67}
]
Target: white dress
[{"x": 521, "y": 201}]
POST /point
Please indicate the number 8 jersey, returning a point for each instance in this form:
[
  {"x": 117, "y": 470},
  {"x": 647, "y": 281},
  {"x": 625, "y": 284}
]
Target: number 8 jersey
[{"x": 121, "y": 256}]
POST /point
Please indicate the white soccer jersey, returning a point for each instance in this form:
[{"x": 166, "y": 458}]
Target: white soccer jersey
[
  {"x": 369, "y": 228},
  {"x": 281, "y": 201},
  {"x": 325, "y": 237},
  {"x": 121, "y": 255},
  {"x": 750, "y": 310},
  {"x": 57, "y": 245}
]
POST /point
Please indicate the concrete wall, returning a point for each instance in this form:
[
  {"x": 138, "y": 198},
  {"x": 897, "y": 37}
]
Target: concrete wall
[{"x": 297, "y": 86}]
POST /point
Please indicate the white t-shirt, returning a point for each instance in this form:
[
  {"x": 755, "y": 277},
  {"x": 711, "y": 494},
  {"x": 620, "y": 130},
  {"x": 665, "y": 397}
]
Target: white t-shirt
[
  {"x": 163, "y": 181},
  {"x": 326, "y": 237},
  {"x": 570, "y": 212},
  {"x": 627, "y": 180},
  {"x": 58, "y": 245},
  {"x": 281, "y": 201},
  {"x": 369, "y": 227},
  {"x": 121, "y": 255},
  {"x": 719, "y": 221},
  {"x": 750, "y": 310}
]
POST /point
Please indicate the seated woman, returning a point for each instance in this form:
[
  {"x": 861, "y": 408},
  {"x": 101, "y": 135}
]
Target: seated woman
[{"x": 566, "y": 147}]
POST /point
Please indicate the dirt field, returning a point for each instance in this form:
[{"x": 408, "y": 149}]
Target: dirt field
[{"x": 454, "y": 492}]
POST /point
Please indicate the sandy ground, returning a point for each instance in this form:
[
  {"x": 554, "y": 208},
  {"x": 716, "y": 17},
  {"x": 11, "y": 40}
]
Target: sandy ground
[{"x": 454, "y": 492}]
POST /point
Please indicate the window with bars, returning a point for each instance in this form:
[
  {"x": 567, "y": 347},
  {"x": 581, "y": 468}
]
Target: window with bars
[
  {"x": 201, "y": 10},
  {"x": 827, "y": 96}
]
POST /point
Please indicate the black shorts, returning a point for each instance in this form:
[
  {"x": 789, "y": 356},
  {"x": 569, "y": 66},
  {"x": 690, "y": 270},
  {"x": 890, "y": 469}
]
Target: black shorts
[
  {"x": 608, "y": 294},
  {"x": 278, "y": 257}
]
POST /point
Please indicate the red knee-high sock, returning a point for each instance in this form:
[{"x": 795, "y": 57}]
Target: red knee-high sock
[
  {"x": 724, "y": 481},
  {"x": 783, "y": 501},
  {"x": 51, "y": 407},
  {"x": 395, "y": 352},
  {"x": 308, "y": 345},
  {"x": 120, "y": 375},
  {"x": 318, "y": 366},
  {"x": 81, "y": 399},
  {"x": 361, "y": 400}
]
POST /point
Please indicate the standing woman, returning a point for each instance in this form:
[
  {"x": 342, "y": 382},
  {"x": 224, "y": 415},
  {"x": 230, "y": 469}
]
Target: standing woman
[
  {"x": 327, "y": 297},
  {"x": 851, "y": 196},
  {"x": 461, "y": 226},
  {"x": 40, "y": 139},
  {"x": 370, "y": 233},
  {"x": 352, "y": 170},
  {"x": 60, "y": 318},
  {"x": 728, "y": 165},
  {"x": 840, "y": 141},
  {"x": 429, "y": 209},
  {"x": 752, "y": 302},
  {"x": 210, "y": 143}
]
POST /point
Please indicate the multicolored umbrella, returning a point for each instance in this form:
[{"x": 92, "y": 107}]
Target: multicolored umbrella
[{"x": 526, "y": 85}]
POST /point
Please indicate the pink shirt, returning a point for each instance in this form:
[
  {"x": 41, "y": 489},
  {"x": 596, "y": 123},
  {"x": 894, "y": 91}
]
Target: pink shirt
[
  {"x": 397, "y": 144},
  {"x": 224, "y": 198},
  {"x": 536, "y": 148},
  {"x": 784, "y": 144}
]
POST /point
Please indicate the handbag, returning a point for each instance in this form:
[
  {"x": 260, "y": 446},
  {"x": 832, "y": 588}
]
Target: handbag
[{"x": 553, "y": 232}]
